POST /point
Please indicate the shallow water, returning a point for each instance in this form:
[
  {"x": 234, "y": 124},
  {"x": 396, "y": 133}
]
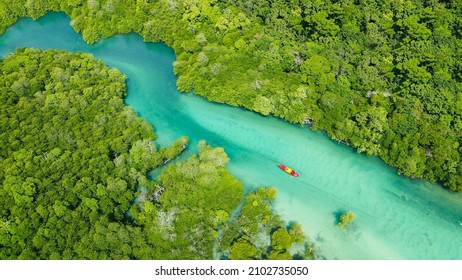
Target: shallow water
[{"x": 396, "y": 218}]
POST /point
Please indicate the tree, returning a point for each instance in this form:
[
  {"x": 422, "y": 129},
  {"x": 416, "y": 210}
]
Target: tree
[
  {"x": 281, "y": 240},
  {"x": 242, "y": 250},
  {"x": 346, "y": 219}
]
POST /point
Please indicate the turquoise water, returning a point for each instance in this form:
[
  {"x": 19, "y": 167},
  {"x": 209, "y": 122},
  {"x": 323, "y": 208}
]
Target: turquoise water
[{"x": 396, "y": 218}]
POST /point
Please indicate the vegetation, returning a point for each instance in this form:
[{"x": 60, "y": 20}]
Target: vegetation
[
  {"x": 73, "y": 164},
  {"x": 384, "y": 76},
  {"x": 72, "y": 157},
  {"x": 346, "y": 219},
  {"x": 196, "y": 197},
  {"x": 257, "y": 233}
]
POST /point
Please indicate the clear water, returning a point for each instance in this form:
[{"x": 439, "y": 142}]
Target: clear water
[{"x": 396, "y": 218}]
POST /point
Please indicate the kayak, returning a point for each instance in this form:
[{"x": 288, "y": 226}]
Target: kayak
[{"x": 288, "y": 170}]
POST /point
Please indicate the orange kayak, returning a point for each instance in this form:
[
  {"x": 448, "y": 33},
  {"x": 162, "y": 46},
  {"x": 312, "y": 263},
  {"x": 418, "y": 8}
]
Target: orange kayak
[{"x": 288, "y": 170}]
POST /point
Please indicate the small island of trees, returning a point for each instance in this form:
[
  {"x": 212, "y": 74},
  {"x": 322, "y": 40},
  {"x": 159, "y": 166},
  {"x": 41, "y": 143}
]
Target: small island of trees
[{"x": 346, "y": 219}]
